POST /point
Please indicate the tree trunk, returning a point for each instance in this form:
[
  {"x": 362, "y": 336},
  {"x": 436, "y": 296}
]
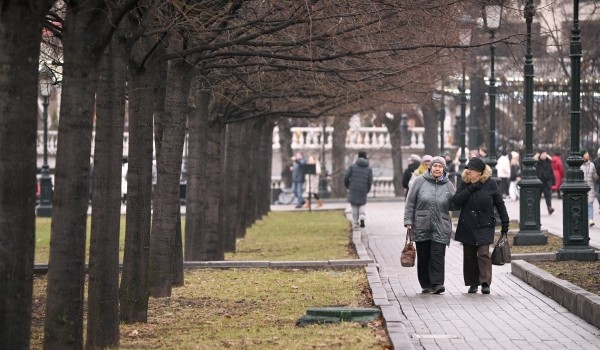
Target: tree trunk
[
  {"x": 143, "y": 91},
  {"x": 244, "y": 184},
  {"x": 213, "y": 242},
  {"x": 20, "y": 36},
  {"x": 430, "y": 120},
  {"x": 395, "y": 131},
  {"x": 265, "y": 166},
  {"x": 231, "y": 198},
  {"x": 166, "y": 198},
  {"x": 196, "y": 185},
  {"x": 338, "y": 156},
  {"x": 103, "y": 272},
  {"x": 285, "y": 150}
]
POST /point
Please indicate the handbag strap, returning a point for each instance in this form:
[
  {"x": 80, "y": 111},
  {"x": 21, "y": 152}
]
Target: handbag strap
[{"x": 408, "y": 235}]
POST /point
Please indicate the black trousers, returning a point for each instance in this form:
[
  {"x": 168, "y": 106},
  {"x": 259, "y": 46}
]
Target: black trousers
[
  {"x": 431, "y": 263},
  {"x": 547, "y": 192},
  {"x": 477, "y": 264}
]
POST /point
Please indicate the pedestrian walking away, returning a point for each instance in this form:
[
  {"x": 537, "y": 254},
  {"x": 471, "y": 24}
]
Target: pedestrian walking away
[
  {"x": 427, "y": 213},
  {"x": 543, "y": 167},
  {"x": 477, "y": 196},
  {"x": 515, "y": 176},
  {"x": 559, "y": 173},
  {"x": 358, "y": 180},
  {"x": 298, "y": 178}
]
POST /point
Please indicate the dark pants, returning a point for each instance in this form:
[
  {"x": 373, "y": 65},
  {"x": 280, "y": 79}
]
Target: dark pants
[
  {"x": 431, "y": 262},
  {"x": 547, "y": 191},
  {"x": 477, "y": 264}
]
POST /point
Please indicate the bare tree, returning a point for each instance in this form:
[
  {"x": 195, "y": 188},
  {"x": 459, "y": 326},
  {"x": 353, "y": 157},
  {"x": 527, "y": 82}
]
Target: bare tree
[
  {"x": 20, "y": 38},
  {"x": 103, "y": 272},
  {"x": 83, "y": 49}
]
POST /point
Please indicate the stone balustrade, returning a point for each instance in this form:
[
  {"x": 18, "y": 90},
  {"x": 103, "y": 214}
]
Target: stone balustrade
[
  {"x": 303, "y": 138},
  {"x": 356, "y": 138}
]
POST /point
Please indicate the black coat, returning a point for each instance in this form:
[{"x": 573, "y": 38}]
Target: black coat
[
  {"x": 544, "y": 171},
  {"x": 476, "y": 223}
]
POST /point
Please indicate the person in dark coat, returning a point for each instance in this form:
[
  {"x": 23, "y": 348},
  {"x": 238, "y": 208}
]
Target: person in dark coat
[
  {"x": 358, "y": 180},
  {"x": 543, "y": 167},
  {"x": 415, "y": 162},
  {"x": 477, "y": 196},
  {"x": 298, "y": 178},
  {"x": 427, "y": 213}
]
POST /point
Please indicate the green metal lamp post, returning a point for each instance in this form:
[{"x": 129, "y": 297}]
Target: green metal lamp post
[
  {"x": 465, "y": 40},
  {"x": 442, "y": 117},
  {"x": 44, "y": 208},
  {"x": 323, "y": 186},
  {"x": 575, "y": 223},
  {"x": 529, "y": 199},
  {"x": 491, "y": 18}
]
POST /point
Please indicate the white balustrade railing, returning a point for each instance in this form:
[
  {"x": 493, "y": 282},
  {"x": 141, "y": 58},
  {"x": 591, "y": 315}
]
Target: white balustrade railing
[
  {"x": 302, "y": 138},
  {"x": 356, "y": 138}
]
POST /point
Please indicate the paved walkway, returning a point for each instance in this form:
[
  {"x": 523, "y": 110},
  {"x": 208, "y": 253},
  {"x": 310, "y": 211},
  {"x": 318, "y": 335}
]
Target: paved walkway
[{"x": 514, "y": 316}]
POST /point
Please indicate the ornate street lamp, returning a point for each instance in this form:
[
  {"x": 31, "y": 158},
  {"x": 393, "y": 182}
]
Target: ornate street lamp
[
  {"x": 465, "y": 40},
  {"x": 442, "y": 120},
  {"x": 44, "y": 208},
  {"x": 529, "y": 199},
  {"x": 491, "y": 20},
  {"x": 575, "y": 224},
  {"x": 323, "y": 188}
]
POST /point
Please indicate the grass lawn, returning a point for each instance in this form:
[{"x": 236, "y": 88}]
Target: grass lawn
[{"x": 254, "y": 308}]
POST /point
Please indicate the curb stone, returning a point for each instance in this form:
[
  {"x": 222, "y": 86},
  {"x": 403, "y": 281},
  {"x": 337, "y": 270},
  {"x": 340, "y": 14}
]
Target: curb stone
[{"x": 575, "y": 299}]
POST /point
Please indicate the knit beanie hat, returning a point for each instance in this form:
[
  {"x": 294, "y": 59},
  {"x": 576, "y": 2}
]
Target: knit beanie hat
[
  {"x": 362, "y": 154},
  {"x": 439, "y": 160},
  {"x": 583, "y": 151},
  {"x": 426, "y": 158},
  {"x": 476, "y": 164}
]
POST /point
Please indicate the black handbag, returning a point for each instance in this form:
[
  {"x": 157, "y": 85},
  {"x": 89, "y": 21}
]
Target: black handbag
[{"x": 501, "y": 252}]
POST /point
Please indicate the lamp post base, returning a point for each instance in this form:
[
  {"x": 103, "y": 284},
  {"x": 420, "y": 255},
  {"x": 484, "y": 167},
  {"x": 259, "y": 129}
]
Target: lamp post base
[
  {"x": 578, "y": 253},
  {"x": 529, "y": 214},
  {"x": 44, "y": 208},
  {"x": 43, "y": 211}
]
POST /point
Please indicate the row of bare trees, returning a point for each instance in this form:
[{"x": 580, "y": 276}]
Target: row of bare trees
[{"x": 226, "y": 70}]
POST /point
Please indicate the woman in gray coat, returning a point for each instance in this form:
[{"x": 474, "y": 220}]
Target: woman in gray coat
[{"x": 427, "y": 213}]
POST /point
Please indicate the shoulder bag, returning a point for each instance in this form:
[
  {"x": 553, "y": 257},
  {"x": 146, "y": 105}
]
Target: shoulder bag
[{"x": 501, "y": 252}]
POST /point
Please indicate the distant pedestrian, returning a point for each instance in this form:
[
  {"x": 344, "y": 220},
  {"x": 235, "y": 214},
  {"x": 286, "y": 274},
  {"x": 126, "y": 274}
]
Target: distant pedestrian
[
  {"x": 314, "y": 182},
  {"x": 298, "y": 178},
  {"x": 450, "y": 167},
  {"x": 543, "y": 167},
  {"x": 427, "y": 213},
  {"x": 358, "y": 180},
  {"x": 503, "y": 169},
  {"x": 515, "y": 176},
  {"x": 589, "y": 176},
  {"x": 559, "y": 173},
  {"x": 414, "y": 163},
  {"x": 597, "y": 182},
  {"x": 477, "y": 196},
  {"x": 422, "y": 169}
]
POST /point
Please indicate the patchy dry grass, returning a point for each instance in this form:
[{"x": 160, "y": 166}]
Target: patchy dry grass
[{"x": 257, "y": 308}]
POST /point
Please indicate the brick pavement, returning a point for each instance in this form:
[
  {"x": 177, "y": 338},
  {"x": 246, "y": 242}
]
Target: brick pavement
[{"x": 514, "y": 316}]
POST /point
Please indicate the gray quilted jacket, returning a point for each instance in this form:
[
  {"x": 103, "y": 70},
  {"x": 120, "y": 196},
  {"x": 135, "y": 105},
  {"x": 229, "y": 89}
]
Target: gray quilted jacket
[
  {"x": 358, "y": 180},
  {"x": 427, "y": 208}
]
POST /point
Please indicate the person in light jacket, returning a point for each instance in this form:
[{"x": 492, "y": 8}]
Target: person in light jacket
[
  {"x": 427, "y": 213},
  {"x": 358, "y": 180},
  {"x": 476, "y": 197}
]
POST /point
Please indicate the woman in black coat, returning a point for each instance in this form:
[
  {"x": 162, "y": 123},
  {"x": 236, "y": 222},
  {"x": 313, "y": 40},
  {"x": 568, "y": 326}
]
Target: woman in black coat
[{"x": 477, "y": 196}]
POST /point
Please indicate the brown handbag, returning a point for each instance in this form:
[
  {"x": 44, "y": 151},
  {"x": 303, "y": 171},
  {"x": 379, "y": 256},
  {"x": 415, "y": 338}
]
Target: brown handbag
[{"x": 409, "y": 253}]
